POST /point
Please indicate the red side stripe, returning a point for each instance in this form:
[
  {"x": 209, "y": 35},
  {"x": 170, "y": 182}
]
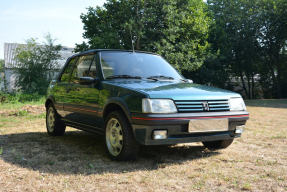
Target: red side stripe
[
  {"x": 179, "y": 118},
  {"x": 81, "y": 109}
]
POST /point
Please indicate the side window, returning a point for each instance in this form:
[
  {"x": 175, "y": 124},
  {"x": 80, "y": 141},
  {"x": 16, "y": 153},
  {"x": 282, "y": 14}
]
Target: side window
[
  {"x": 93, "y": 70},
  {"x": 109, "y": 68},
  {"x": 66, "y": 73},
  {"x": 81, "y": 68}
]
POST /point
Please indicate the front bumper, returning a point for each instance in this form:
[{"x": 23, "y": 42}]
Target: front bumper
[{"x": 177, "y": 127}]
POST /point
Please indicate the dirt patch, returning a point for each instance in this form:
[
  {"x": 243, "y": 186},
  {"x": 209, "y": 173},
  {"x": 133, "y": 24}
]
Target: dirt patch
[
  {"x": 26, "y": 109},
  {"x": 34, "y": 109}
]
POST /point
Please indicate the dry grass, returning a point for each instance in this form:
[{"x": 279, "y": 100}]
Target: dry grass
[{"x": 31, "y": 160}]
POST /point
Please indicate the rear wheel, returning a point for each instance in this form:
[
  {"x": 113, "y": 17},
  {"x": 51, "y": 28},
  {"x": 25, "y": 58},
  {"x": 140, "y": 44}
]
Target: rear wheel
[
  {"x": 119, "y": 139},
  {"x": 220, "y": 144},
  {"x": 53, "y": 122}
]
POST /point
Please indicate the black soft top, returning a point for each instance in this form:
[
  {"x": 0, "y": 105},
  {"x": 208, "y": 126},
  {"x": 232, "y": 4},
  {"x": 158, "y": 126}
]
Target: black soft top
[
  {"x": 94, "y": 51},
  {"x": 101, "y": 50}
]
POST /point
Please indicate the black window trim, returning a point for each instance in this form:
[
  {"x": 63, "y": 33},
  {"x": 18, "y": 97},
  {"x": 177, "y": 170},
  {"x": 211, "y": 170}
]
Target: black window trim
[{"x": 94, "y": 59}]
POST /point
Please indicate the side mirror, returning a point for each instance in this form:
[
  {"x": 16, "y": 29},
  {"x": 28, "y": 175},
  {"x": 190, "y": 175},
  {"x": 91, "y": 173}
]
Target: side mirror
[{"x": 88, "y": 80}]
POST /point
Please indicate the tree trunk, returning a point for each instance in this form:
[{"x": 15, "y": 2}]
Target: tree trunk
[
  {"x": 253, "y": 84},
  {"x": 278, "y": 66},
  {"x": 242, "y": 79},
  {"x": 275, "y": 84}
]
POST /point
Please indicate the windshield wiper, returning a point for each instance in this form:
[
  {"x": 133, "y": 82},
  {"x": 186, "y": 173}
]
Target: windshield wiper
[
  {"x": 160, "y": 77},
  {"x": 123, "y": 76}
]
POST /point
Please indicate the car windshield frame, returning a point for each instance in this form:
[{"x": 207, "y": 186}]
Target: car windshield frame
[{"x": 175, "y": 76}]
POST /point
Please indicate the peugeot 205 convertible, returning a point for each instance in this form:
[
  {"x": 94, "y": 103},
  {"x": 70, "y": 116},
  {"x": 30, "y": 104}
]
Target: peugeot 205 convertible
[{"x": 138, "y": 98}]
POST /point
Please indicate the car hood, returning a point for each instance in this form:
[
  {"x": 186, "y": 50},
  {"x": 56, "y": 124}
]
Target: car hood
[{"x": 176, "y": 90}]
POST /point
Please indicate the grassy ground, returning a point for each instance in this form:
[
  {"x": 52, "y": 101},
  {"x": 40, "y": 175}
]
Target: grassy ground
[{"x": 30, "y": 160}]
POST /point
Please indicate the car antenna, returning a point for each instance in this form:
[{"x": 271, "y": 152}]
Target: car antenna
[{"x": 132, "y": 41}]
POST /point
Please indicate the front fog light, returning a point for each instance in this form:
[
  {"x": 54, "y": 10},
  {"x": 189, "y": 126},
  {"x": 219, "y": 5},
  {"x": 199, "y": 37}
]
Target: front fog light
[
  {"x": 239, "y": 129},
  {"x": 159, "y": 134}
]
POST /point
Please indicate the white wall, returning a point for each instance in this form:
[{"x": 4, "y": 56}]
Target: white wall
[{"x": 10, "y": 80}]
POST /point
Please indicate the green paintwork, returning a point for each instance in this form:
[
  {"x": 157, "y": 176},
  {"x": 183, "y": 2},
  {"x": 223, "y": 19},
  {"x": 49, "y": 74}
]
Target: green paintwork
[
  {"x": 132, "y": 91},
  {"x": 133, "y": 98},
  {"x": 85, "y": 106},
  {"x": 176, "y": 90},
  {"x": 59, "y": 92}
]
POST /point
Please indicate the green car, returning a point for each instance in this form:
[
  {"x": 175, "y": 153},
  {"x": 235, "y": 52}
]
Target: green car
[{"x": 138, "y": 98}]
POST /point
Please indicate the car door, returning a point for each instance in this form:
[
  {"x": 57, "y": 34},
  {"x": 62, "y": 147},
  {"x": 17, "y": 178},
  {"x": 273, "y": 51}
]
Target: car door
[
  {"x": 60, "y": 89},
  {"x": 81, "y": 103}
]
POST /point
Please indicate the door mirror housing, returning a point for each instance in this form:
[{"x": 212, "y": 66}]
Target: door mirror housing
[{"x": 88, "y": 80}]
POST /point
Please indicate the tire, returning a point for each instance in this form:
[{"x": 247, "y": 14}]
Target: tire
[
  {"x": 120, "y": 143},
  {"x": 53, "y": 122},
  {"x": 220, "y": 144}
]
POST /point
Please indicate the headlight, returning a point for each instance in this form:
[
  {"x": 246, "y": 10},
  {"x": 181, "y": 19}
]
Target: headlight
[
  {"x": 158, "y": 106},
  {"x": 237, "y": 104}
]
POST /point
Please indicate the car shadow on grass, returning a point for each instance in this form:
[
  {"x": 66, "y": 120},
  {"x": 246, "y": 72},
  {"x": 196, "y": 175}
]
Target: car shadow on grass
[{"x": 80, "y": 152}]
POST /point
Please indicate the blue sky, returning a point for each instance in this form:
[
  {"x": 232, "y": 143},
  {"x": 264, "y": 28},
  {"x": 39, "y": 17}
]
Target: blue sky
[{"x": 21, "y": 20}]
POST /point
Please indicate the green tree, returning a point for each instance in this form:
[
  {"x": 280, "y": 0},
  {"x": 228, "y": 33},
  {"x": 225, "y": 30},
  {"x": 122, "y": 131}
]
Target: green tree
[
  {"x": 36, "y": 64},
  {"x": 178, "y": 30},
  {"x": 251, "y": 37},
  {"x": 234, "y": 35},
  {"x": 272, "y": 39},
  {"x": 1, "y": 65}
]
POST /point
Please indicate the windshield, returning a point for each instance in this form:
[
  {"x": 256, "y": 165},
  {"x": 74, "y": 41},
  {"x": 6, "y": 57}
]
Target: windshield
[{"x": 120, "y": 64}]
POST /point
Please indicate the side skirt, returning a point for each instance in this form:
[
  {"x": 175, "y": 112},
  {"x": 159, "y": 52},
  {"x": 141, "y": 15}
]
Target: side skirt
[{"x": 83, "y": 127}]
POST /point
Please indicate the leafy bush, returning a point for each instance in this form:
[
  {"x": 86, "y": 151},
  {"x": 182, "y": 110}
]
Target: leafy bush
[
  {"x": 19, "y": 97},
  {"x": 31, "y": 97},
  {"x": 36, "y": 64}
]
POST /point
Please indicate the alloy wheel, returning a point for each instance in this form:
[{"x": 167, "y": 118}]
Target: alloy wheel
[
  {"x": 51, "y": 119},
  {"x": 114, "y": 137}
]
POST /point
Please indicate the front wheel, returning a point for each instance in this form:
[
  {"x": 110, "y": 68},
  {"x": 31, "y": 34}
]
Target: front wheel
[
  {"x": 119, "y": 139},
  {"x": 53, "y": 122},
  {"x": 220, "y": 144}
]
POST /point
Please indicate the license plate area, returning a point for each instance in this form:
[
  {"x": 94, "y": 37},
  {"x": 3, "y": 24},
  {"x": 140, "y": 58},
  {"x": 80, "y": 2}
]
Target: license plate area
[{"x": 210, "y": 125}]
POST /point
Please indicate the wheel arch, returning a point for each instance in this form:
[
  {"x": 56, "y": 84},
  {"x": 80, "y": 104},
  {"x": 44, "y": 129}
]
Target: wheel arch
[
  {"x": 49, "y": 100},
  {"x": 116, "y": 104}
]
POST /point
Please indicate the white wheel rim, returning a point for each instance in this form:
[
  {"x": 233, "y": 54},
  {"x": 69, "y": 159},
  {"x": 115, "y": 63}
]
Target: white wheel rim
[
  {"x": 51, "y": 119},
  {"x": 114, "y": 137}
]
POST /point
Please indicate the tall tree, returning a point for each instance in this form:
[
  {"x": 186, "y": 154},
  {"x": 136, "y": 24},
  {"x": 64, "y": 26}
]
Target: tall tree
[
  {"x": 178, "y": 30},
  {"x": 272, "y": 39},
  {"x": 251, "y": 35},
  {"x": 235, "y": 37},
  {"x": 36, "y": 64}
]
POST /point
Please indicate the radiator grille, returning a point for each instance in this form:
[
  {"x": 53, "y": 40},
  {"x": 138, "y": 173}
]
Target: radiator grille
[{"x": 190, "y": 106}]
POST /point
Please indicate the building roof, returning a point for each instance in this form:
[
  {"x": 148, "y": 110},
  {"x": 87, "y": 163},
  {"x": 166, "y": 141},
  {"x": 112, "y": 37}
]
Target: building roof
[{"x": 9, "y": 54}]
